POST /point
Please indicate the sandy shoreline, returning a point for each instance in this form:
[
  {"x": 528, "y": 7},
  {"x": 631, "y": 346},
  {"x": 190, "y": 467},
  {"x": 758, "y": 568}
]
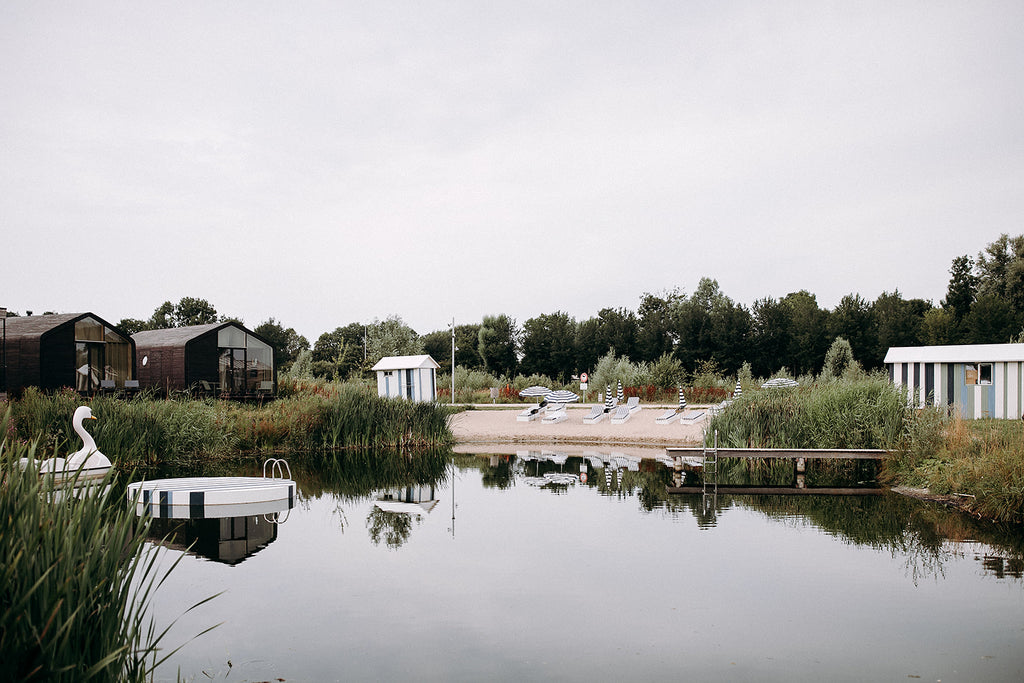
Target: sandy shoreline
[{"x": 500, "y": 426}]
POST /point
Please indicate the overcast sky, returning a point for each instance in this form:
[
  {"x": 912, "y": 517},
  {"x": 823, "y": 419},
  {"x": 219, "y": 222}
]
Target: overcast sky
[{"x": 331, "y": 162}]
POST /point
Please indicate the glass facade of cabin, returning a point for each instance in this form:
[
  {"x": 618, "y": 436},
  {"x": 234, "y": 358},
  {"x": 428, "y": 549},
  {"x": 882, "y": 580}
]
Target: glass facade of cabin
[
  {"x": 102, "y": 355},
  {"x": 246, "y": 364}
]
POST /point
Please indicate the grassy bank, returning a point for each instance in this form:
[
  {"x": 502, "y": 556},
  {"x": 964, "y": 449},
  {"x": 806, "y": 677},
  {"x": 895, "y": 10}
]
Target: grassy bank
[
  {"x": 144, "y": 431},
  {"x": 976, "y": 464},
  {"x": 76, "y": 576}
]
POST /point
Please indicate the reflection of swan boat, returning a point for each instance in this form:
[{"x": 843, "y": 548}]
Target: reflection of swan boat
[{"x": 87, "y": 462}]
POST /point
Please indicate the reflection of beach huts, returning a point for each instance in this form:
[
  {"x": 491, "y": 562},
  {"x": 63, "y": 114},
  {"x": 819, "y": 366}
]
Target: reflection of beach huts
[
  {"x": 979, "y": 380},
  {"x": 77, "y": 350},
  {"x": 224, "y": 359},
  {"x": 228, "y": 540},
  {"x": 413, "y": 500},
  {"x": 410, "y": 377}
]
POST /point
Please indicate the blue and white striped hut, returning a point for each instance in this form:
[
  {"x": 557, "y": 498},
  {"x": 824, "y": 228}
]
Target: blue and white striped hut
[
  {"x": 979, "y": 380},
  {"x": 410, "y": 377}
]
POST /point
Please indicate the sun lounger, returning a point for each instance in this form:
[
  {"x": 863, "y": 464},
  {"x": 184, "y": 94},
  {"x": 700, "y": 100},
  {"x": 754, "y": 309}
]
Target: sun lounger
[
  {"x": 668, "y": 417},
  {"x": 596, "y": 415},
  {"x": 692, "y": 417},
  {"x": 633, "y": 404},
  {"x": 621, "y": 415},
  {"x": 530, "y": 414},
  {"x": 556, "y": 413}
]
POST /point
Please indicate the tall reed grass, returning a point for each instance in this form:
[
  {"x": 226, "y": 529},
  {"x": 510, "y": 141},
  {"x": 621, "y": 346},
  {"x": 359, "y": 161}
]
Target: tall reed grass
[
  {"x": 868, "y": 413},
  {"x": 76, "y": 579},
  {"x": 145, "y": 431}
]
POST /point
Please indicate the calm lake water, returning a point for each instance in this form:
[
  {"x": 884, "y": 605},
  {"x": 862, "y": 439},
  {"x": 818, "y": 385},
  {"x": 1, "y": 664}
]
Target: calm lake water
[{"x": 502, "y": 574}]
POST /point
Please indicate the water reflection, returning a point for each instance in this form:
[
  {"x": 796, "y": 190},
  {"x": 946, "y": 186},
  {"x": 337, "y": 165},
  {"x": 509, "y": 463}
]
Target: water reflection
[
  {"x": 395, "y": 511},
  {"x": 229, "y": 540},
  {"x": 692, "y": 580}
]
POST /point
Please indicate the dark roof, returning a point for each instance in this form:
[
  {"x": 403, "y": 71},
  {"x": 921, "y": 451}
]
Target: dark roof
[
  {"x": 178, "y": 336},
  {"x": 38, "y": 325}
]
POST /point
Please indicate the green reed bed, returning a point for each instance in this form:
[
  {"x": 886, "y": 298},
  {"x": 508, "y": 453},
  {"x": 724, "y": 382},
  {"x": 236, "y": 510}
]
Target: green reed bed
[
  {"x": 76, "y": 579},
  {"x": 868, "y": 413},
  {"x": 146, "y": 431},
  {"x": 978, "y": 462}
]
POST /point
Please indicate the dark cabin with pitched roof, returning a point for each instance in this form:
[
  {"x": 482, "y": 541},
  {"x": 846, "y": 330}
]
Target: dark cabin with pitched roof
[
  {"x": 77, "y": 350},
  {"x": 222, "y": 359}
]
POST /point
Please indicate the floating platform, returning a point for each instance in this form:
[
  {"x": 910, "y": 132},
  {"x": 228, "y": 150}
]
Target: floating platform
[{"x": 211, "y": 497}]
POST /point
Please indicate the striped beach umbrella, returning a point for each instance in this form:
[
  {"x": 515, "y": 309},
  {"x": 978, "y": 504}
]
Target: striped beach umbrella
[
  {"x": 619, "y": 394},
  {"x": 739, "y": 390},
  {"x": 562, "y": 396},
  {"x": 609, "y": 402},
  {"x": 534, "y": 391},
  {"x": 682, "y": 399}
]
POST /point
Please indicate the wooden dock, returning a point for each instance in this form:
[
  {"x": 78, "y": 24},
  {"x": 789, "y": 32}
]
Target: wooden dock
[
  {"x": 805, "y": 453},
  {"x": 740, "y": 490}
]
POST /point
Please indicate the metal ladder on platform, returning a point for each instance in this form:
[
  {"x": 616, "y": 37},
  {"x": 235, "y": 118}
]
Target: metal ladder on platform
[{"x": 709, "y": 470}]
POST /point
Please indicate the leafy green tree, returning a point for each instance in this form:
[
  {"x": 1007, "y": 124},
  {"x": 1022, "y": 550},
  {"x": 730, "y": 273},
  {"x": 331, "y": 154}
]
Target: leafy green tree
[
  {"x": 618, "y": 330},
  {"x": 191, "y": 311},
  {"x": 287, "y": 343},
  {"x": 549, "y": 345},
  {"x": 498, "y": 344},
  {"x": 656, "y": 337},
  {"x": 439, "y": 345},
  {"x": 991, "y": 321},
  {"x": 187, "y": 312},
  {"x": 838, "y": 358},
  {"x": 590, "y": 344},
  {"x": 962, "y": 289},
  {"x": 898, "y": 322},
  {"x": 852, "y": 320},
  {"x": 770, "y": 339},
  {"x": 1001, "y": 270},
  {"x": 938, "y": 327},
  {"x": 131, "y": 325},
  {"x": 390, "y": 337},
  {"x": 340, "y": 353},
  {"x": 808, "y": 340}
]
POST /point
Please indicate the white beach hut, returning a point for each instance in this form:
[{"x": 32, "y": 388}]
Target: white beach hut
[
  {"x": 980, "y": 380},
  {"x": 411, "y": 377}
]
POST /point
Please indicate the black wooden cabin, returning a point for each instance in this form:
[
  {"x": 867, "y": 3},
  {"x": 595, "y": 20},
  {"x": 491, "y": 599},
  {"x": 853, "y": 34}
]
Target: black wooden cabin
[
  {"x": 77, "y": 350},
  {"x": 220, "y": 359}
]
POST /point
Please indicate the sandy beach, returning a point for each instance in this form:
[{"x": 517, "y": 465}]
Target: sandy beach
[{"x": 496, "y": 425}]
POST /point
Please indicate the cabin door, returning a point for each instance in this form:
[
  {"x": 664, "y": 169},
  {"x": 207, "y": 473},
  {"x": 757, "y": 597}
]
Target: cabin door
[
  {"x": 232, "y": 371},
  {"x": 88, "y": 366}
]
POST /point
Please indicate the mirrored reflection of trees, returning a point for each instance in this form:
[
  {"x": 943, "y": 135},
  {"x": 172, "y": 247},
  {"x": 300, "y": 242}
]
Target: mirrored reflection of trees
[{"x": 393, "y": 528}]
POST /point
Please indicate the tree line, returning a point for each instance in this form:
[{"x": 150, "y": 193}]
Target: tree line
[{"x": 984, "y": 303}]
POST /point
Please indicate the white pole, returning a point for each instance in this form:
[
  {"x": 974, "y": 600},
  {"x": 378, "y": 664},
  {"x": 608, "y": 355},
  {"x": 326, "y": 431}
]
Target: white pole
[{"x": 453, "y": 361}]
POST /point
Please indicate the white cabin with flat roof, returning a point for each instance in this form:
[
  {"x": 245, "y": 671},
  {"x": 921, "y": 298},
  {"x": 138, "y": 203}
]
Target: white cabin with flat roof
[
  {"x": 410, "y": 377},
  {"x": 979, "y": 380}
]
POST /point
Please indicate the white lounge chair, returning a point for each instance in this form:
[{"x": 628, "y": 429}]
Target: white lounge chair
[
  {"x": 621, "y": 415},
  {"x": 692, "y": 417},
  {"x": 529, "y": 414},
  {"x": 633, "y": 404},
  {"x": 596, "y": 415},
  {"x": 556, "y": 413},
  {"x": 668, "y": 417}
]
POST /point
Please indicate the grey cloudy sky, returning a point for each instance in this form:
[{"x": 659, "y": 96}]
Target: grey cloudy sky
[{"x": 332, "y": 162}]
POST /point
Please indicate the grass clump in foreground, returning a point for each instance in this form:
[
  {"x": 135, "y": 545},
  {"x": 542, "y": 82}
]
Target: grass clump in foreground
[{"x": 76, "y": 579}]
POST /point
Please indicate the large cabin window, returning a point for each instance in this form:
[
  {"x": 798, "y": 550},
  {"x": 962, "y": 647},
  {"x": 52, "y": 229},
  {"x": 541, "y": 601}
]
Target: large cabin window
[
  {"x": 246, "y": 363},
  {"x": 101, "y": 354}
]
